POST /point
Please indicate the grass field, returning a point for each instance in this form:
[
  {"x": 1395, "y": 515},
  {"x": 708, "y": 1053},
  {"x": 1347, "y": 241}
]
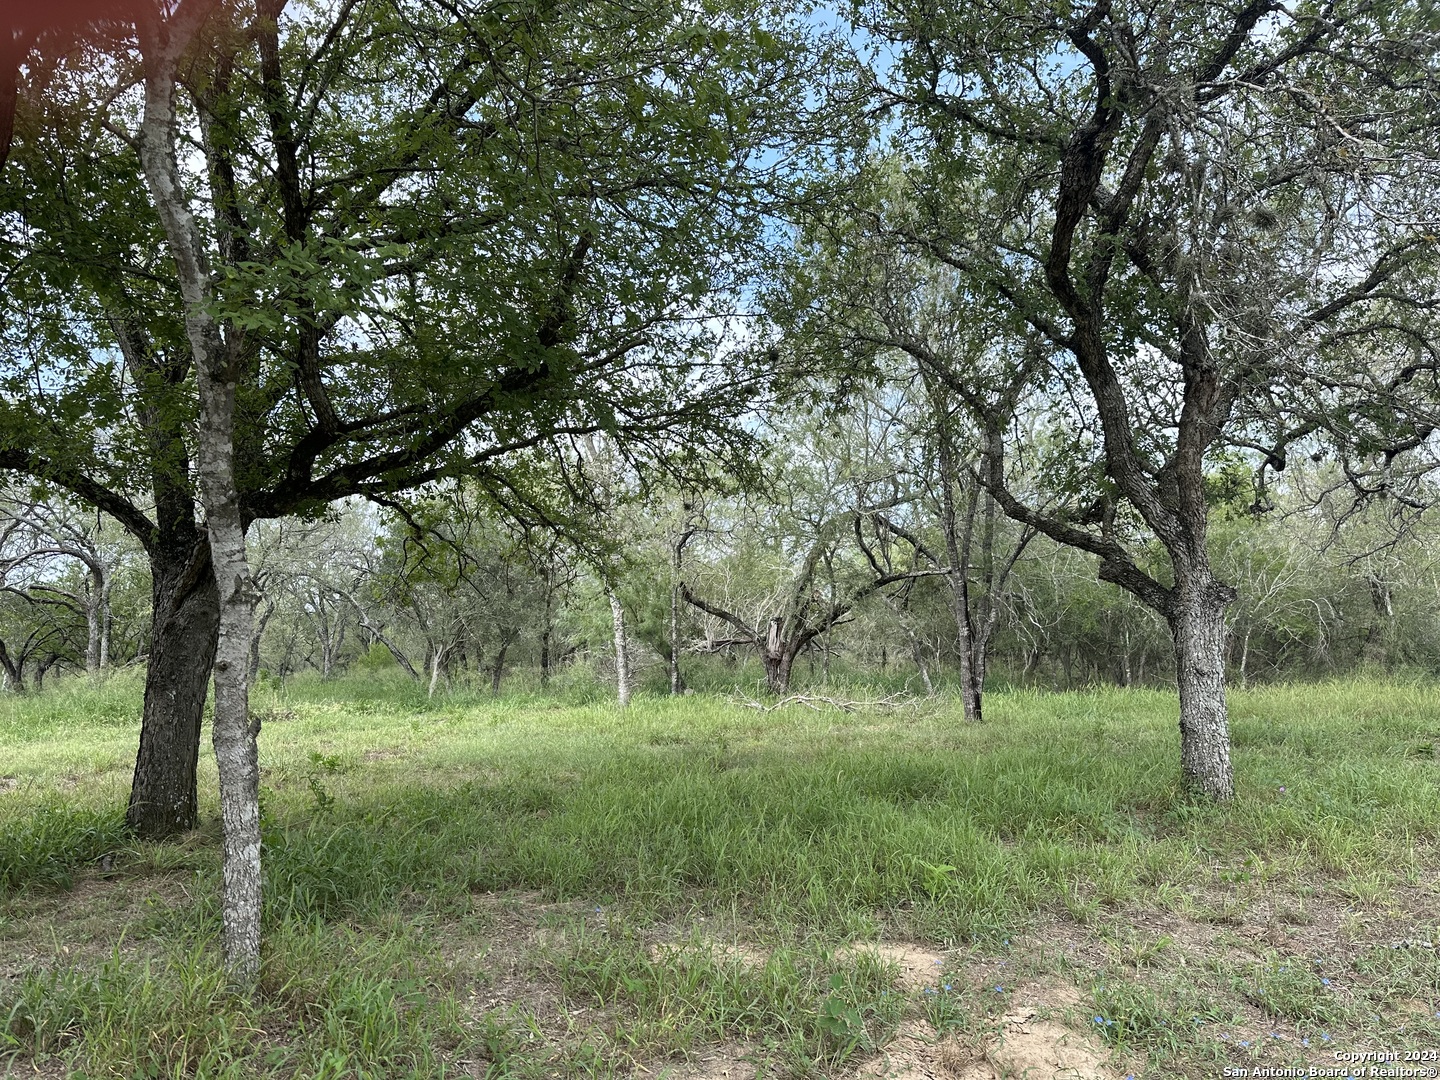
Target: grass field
[{"x": 694, "y": 888}]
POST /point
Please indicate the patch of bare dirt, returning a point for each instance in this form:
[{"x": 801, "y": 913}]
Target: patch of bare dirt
[
  {"x": 716, "y": 1063},
  {"x": 918, "y": 1053},
  {"x": 1046, "y": 1050},
  {"x": 8, "y": 784},
  {"x": 1051, "y": 994},
  {"x": 748, "y": 955},
  {"x": 1026, "y": 1044}
]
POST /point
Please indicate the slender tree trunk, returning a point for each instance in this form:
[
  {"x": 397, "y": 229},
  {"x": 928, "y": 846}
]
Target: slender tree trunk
[
  {"x": 677, "y": 684},
  {"x": 497, "y": 669},
  {"x": 106, "y": 626},
  {"x": 236, "y": 755},
  {"x": 260, "y": 624},
  {"x": 436, "y": 656},
  {"x": 236, "y": 751},
  {"x": 1244, "y": 658},
  {"x": 622, "y": 650},
  {"x": 1198, "y": 626},
  {"x": 94, "y": 624},
  {"x": 959, "y": 540},
  {"x": 184, "y": 624},
  {"x": 918, "y": 654}
]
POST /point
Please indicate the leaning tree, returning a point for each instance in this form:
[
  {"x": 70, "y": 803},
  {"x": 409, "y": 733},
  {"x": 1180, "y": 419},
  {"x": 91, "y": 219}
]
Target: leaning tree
[{"x": 1188, "y": 231}]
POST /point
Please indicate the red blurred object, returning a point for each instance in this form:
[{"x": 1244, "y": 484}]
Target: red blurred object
[{"x": 32, "y": 24}]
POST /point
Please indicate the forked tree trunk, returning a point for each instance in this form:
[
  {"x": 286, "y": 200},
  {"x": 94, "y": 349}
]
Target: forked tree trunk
[
  {"x": 184, "y": 623},
  {"x": 1198, "y": 626},
  {"x": 622, "y": 651}
]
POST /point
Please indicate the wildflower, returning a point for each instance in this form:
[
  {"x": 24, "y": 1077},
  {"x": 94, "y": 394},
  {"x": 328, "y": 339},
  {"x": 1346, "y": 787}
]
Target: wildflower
[
  {"x": 1325, "y": 1035},
  {"x": 1324, "y": 982},
  {"x": 1100, "y": 1020},
  {"x": 1282, "y": 789},
  {"x": 1305, "y": 1040},
  {"x": 1243, "y": 1042},
  {"x": 947, "y": 986},
  {"x": 999, "y": 989}
]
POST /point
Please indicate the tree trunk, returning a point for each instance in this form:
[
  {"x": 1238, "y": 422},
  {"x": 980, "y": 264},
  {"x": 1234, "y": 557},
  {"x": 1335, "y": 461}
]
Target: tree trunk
[
  {"x": 436, "y": 656},
  {"x": 94, "y": 630},
  {"x": 1245, "y": 659},
  {"x": 260, "y": 624},
  {"x": 918, "y": 655},
  {"x": 547, "y": 630},
  {"x": 497, "y": 669},
  {"x": 622, "y": 650},
  {"x": 106, "y": 626},
  {"x": 1198, "y": 625},
  {"x": 778, "y": 666},
  {"x": 184, "y": 623},
  {"x": 970, "y": 688},
  {"x": 677, "y": 684},
  {"x": 236, "y": 753}
]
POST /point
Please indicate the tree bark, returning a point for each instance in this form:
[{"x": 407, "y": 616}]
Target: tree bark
[
  {"x": 497, "y": 669},
  {"x": 1198, "y": 626},
  {"x": 437, "y": 656},
  {"x": 677, "y": 684},
  {"x": 622, "y": 650},
  {"x": 236, "y": 755},
  {"x": 94, "y": 624},
  {"x": 184, "y": 624}
]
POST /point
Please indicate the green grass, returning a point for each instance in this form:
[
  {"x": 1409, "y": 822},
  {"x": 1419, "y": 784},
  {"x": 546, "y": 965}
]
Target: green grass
[{"x": 532, "y": 886}]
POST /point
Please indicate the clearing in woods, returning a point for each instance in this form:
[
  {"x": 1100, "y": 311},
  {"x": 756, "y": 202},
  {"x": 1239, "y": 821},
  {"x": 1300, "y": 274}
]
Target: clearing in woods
[{"x": 528, "y": 887}]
